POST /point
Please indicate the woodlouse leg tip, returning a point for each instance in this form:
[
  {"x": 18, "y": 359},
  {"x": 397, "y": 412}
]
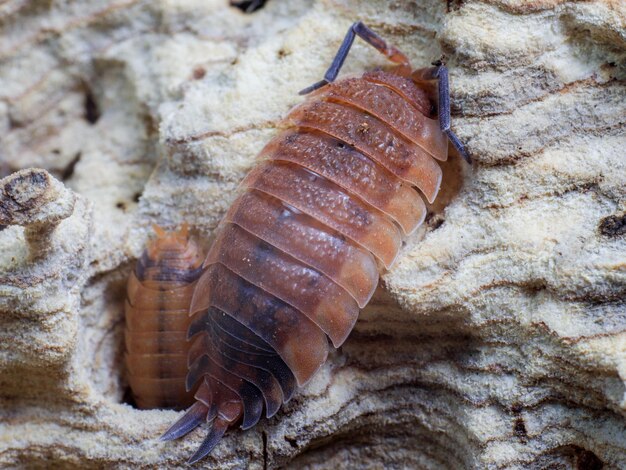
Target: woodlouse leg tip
[
  {"x": 458, "y": 145},
  {"x": 166, "y": 436},
  {"x": 175, "y": 433},
  {"x": 313, "y": 87},
  {"x": 193, "y": 459}
]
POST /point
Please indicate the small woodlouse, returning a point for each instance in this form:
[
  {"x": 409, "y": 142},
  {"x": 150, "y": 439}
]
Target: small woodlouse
[
  {"x": 300, "y": 251},
  {"x": 157, "y": 318}
]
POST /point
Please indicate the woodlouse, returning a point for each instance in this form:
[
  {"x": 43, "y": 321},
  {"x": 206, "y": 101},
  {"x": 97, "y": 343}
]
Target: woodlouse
[
  {"x": 301, "y": 249},
  {"x": 157, "y": 318}
]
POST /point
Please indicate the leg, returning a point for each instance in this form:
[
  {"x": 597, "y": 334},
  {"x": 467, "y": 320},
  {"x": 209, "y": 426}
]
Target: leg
[
  {"x": 440, "y": 73},
  {"x": 369, "y": 36}
]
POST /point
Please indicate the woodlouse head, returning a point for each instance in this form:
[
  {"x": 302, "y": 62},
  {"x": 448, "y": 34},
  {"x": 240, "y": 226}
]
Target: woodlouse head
[{"x": 177, "y": 241}]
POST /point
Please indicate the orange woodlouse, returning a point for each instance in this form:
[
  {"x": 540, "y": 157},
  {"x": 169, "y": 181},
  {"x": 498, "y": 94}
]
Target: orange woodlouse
[
  {"x": 157, "y": 317},
  {"x": 301, "y": 249}
]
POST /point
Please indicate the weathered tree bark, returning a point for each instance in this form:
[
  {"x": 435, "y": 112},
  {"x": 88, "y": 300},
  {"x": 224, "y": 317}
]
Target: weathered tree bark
[{"x": 498, "y": 340}]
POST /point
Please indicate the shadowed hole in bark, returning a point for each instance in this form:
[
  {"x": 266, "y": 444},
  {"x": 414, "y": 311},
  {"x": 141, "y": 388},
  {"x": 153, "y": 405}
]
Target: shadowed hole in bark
[
  {"x": 434, "y": 221},
  {"x": 92, "y": 112},
  {"x": 454, "y": 5},
  {"x": 292, "y": 442},
  {"x": 69, "y": 169},
  {"x": 569, "y": 456},
  {"x": 248, "y": 6},
  {"x": 583, "y": 459},
  {"x": 455, "y": 174},
  {"x": 128, "y": 398},
  {"x": 587, "y": 460}
]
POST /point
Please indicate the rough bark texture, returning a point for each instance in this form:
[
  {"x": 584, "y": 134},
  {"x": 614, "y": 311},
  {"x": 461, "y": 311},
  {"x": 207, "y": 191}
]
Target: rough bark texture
[{"x": 497, "y": 341}]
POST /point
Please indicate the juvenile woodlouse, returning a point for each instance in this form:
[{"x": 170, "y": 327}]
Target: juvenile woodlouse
[
  {"x": 301, "y": 249},
  {"x": 157, "y": 318}
]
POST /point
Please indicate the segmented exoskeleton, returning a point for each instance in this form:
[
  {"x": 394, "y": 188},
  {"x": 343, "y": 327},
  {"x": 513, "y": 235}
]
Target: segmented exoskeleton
[
  {"x": 157, "y": 318},
  {"x": 301, "y": 249}
]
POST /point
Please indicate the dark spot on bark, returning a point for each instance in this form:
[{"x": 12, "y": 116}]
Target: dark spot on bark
[
  {"x": 248, "y": 6},
  {"x": 454, "y": 5},
  {"x": 292, "y": 442},
  {"x": 69, "y": 169},
  {"x": 536, "y": 286},
  {"x": 121, "y": 205},
  {"x": 14, "y": 124},
  {"x": 519, "y": 428},
  {"x": 92, "y": 112},
  {"x": 613, "y": 226},
  {"x": 588, "y": 186},
  {"x": 282, "y": 53},
  {"x": 198, "y": 73},
  {"x": 136, "y": 197},
  {"x": 265, "y": 456},
  {"x": 37, "y": 178}
]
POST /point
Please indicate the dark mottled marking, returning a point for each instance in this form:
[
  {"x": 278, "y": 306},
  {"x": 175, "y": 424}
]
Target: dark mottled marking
[
  {"x": 68, "y": 171},
  {"x": 162, "y": 272},
  {"x": 613, "y": 226},
  {"x": 92, "y": 111},
  {"x": 248, "y": 6},
  {"x": 519, "y": 428}
]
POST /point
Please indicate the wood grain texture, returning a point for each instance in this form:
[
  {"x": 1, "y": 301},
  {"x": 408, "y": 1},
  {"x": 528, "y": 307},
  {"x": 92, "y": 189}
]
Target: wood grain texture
[{"x": 497, "y": 339}]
